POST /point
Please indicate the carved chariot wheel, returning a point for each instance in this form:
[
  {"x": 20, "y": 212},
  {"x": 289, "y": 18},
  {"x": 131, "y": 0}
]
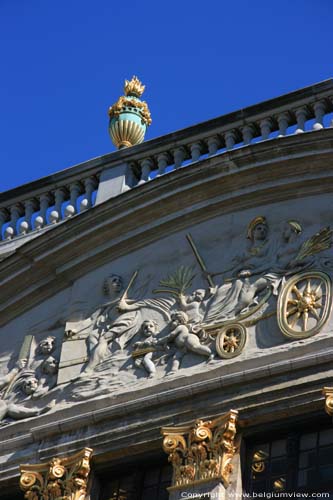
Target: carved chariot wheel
[
  {"x": 231, "y": 340},
  {"x": 304, "y": 304}
]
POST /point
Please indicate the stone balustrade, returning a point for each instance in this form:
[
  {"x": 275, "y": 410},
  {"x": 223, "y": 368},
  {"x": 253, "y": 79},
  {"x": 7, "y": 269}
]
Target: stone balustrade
[
  {"x": 50, "y": 200},
  {"x": 43, "y": 206}
]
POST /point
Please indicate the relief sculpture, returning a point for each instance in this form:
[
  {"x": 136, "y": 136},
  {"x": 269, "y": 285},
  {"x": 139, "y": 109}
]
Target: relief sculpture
[{"x": 136, "y": 334}]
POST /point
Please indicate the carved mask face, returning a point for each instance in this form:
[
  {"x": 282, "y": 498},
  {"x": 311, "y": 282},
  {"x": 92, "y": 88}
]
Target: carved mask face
[
  {"x": 148, "y": 328},
  {"x": 50, "y": 366},
  {"x": 30, "y": 385},
  {"x": 47, "y": 345},
  {"x": 260, "y": 232}
]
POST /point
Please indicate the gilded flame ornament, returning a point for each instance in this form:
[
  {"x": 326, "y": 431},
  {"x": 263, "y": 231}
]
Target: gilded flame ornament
[{"x": 129, "y": 116}]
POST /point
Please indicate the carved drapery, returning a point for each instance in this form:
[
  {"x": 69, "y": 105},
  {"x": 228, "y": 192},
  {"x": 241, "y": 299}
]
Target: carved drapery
[
  {"x": 64, "y": 478},
  {"x": 328, "y": 393},
  {"x": 202, "y": 451}
]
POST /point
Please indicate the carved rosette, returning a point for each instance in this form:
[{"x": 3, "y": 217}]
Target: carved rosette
[
  {"x": 202, "y": 451},
  {"x": 328, "y": 393},
  {"x": 64, "y": 478}
]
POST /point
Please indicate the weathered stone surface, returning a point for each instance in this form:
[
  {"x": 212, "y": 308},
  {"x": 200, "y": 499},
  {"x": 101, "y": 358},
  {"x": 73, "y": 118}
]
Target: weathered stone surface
[{"x": 54, "y": 287}]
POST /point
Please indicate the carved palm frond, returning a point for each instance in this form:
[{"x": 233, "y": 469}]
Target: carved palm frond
[
  {"x": 317, "y": 243},
  {"x": 179, "y": 281}
]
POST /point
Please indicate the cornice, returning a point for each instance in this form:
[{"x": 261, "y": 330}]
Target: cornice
[{"x": 266, "y": 172}]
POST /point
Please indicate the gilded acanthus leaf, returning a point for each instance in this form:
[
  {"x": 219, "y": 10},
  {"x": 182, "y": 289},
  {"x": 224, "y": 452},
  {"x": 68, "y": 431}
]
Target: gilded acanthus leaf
[{"x": 317, "y": 243}]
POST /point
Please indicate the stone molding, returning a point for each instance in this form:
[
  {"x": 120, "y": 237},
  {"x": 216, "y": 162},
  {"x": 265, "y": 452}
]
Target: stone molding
[{"x": 220, "y": 184}]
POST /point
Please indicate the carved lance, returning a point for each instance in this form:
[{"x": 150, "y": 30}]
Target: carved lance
[
  {"x": 200, "y": 260},
  {"x": 124, "y": 295}
]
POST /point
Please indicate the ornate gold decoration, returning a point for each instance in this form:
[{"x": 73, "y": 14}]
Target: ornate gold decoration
[
  {"x": 134, "y": 87},
  {"x": 202, "y": 451},
  {"x": 231, "y": 340},
  {"x": 296, "y": 226},
  {"x": 137, "y": 353},
  {"x": 61, "y": 478},
  {"x": 254, "y": 222},
  {"x": 258, "y": 461},
  {"x": 279, "y": 484},
  {"x": 131, "y": 103},
  {"x": 304, "y": 304},
  {"x": 328, "y": 393},
  {"x": 317, "y": 243},
  {"x": 126, "y": 133}
]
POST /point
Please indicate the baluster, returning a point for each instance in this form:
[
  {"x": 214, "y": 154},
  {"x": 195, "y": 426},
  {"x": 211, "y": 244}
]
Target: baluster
[
  {"x": 30, "y": 207},
  {"x": 196, "y": 149},
  {"x": 283, "y": 122},
  {"x": 162, "y": 162},
  {"x": 230, "y": 139},
  {"x": 4, "y": 217},
  {"x": 247, "y": 132},
  {"x": 213, "y": 144},
  {"x": 44, "y": 202},
  {"x": 265, "y": 128},
  {"x": 319, "y": 110},
  {"x": 75, "y": 190},
  {"x": 89, "y": 185},
  {"x": 301, "y": 117},
  {"x": 59, "y": 197},
  {"x": 179, "y": 156},
  {"x": 146, "y": 167},
  {"x": 15, "y": 213}
]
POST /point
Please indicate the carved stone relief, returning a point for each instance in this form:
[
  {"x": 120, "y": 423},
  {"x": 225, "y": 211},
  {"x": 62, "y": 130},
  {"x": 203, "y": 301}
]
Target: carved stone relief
[{"x": 154, "y": 329}]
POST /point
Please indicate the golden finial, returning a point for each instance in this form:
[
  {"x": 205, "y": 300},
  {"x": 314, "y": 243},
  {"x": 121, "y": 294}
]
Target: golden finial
[
  {"x": 129, "y": 116},
  {"x": 134, "y": 87}
]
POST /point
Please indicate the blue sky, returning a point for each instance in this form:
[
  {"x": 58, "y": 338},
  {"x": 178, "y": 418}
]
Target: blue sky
[{"x": 63, "y": 63}]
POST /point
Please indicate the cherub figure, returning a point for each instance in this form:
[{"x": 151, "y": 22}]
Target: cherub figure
[
  {"x": 46, "y": 346},
  {"x": 149, "y": 330},
  {"x": 184, "y": 340},
  {"x": 192, "y": 305}
]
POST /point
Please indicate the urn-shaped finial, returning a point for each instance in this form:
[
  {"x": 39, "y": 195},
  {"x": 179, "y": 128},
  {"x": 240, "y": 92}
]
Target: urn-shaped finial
[{"x": 129, "y": 116}]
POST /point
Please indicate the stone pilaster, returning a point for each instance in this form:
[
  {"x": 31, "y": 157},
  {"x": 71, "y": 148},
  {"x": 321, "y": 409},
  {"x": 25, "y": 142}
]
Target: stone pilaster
[
  {"x": 64, "y": 478},
  {"x": 202, "y": 456}
]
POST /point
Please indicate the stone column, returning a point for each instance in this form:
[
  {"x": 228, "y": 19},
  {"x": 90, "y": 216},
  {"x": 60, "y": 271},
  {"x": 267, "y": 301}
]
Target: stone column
[
  {"x": 63, "y": 477},
  {"x": 204, "y": 457}
]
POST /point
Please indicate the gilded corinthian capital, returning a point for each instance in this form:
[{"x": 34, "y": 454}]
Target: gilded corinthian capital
[
  {"x": 202, "y": 451},
  {"x": 64, "y": 478},
  {"x": 328, "y": 393}
]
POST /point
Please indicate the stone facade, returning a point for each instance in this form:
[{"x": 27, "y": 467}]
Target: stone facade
[{"x": 200, "y": 292}]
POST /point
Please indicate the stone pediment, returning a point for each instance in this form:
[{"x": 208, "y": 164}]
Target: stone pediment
[{"x": 207, "y": 282}]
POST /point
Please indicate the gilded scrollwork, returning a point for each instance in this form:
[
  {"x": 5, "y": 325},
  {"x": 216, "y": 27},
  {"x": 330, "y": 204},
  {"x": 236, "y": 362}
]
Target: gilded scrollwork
[
  {"x": 328, "y": 393},
  {"x": 201, "y": 451},
  {"x": 64, "y": 478}
]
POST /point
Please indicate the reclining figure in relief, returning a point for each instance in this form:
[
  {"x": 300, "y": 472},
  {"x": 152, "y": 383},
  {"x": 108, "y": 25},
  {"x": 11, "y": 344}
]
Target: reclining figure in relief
[{"x": 17, "y": 388}]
